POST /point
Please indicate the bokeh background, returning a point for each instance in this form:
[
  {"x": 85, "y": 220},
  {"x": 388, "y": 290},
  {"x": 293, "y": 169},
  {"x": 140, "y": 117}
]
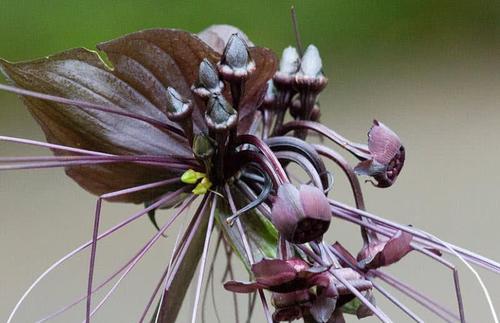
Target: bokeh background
[{"x": 428, "y": 69}]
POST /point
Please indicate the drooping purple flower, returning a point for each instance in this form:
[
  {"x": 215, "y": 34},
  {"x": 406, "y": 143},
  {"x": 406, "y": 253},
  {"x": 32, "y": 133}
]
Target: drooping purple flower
[
  {"x": 301, "y": 215},
  {"x": 281, "y": 276},
  {"x": 387, "y": 155},
  {"x": 379, "y": 253}
]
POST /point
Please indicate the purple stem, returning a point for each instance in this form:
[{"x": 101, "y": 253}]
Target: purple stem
[
  {"x": 204, "y": 259},
  {"x": 355, "y": 186},
  {"x": 422, "y": 299},
  {"x": 421, "y": 237},
  {"x": 51, "y": 146},
  {"x": 165, "y": 199},
  {"x": 145, "y": 249},
  {"x": 357, "y": 150},
  {"x": 92, "y": 106},
  {"x": 304, "y": 163},
  {"x": 248, "y": 251},
  {"x": 390, "y": 297},
  {"x": 417, "y": 296},
  {"x": 160, "y": 282},
  {"x": 87, "y": 161},
  {"x": 456, "y": 281},
  {"x": 266, "y": 151}
]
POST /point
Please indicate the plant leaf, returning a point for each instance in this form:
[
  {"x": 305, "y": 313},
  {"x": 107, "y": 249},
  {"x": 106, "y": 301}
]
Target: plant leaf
[
  {"x": 261, "y": 234},
  {"x": 192, "y": 245},
  {"x": 133, "y": 86}
]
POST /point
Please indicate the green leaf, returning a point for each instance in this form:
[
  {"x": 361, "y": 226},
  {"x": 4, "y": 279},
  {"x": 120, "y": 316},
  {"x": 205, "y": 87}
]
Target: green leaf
[{"x": 260, "y": 232}]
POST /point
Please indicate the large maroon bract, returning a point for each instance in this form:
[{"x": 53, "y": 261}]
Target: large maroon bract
[{"x": 181, "y": 117}]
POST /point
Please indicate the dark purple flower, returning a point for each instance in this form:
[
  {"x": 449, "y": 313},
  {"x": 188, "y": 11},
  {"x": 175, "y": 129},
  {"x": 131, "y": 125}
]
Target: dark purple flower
[
  {"x": 387, "y": 156},
  {"x": 281, "y": 276},
  {"x": 301, "y": 215},
  {"x": 379, "y": 253}
]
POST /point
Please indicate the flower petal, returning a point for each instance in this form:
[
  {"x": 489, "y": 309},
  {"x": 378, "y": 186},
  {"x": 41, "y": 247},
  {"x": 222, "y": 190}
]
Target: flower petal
[
  {"x": 385, "y": 253},
  {"x": 256, "y": 86},
  {"x": 80, "y": 74},
  {"x": 152, "y": 60},
  {"x": 242, "y": 287},
  {"x": 383, "y": 143},
  {"x": 272, "y": 272},
  {"x": 217, "y": 36}
]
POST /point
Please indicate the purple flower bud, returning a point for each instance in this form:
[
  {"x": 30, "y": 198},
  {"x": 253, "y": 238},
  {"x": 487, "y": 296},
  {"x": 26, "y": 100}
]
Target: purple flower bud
[
  {"x": 208, "y": 80},
  {"x": 220, "y": 115},
  {"x": 277, "y": 275},
  {"x": 301, "y": 216},
  {"x": 387, "y": 156},
  {"x": 178, "y": 108},
  {"x": 236, "y": 63}
]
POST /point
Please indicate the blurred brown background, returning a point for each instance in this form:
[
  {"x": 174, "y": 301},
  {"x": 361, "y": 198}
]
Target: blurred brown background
[{"x": 428, "y": 69}]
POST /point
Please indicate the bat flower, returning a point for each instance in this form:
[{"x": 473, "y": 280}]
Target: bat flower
[
  {"x": 196, "y": 123},
  {"x": 379, "y": 253},
  {"x": 276, "y": 275},
  {"x": 387, "y": 156},
  {"x": 301, "y": 215}
]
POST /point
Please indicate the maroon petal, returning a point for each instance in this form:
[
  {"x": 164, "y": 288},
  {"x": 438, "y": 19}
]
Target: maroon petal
[
  {"x": 385, "y": 253},
  {"x": 383, "y": 143},
  {"x": 217, "y": 36},
  {"x": 152, "y": 60},
  {"x": 314, "y": 203},
  {"x": 322, "y": 308},
  {"x": 346, "y": 255},
  {"x": 273, "y": 272},
  {"x": 287, "y": 211},
  {"x": 288, "y": 313},
  {"x": 242, "y": 287},
  {"x": 256, "y": 86},
  {"x": 80, "y": 74}
]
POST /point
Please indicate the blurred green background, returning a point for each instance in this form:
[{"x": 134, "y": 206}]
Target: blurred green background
[{"x": 428, "y": 69}]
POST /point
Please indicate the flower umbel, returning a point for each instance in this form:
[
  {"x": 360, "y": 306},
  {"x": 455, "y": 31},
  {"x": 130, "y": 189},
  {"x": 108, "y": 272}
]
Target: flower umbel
[{"x": 183, "y": 117}]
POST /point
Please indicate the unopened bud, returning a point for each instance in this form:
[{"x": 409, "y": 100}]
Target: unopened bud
[
  {"x": 178, "y": 108},
  {"x": 301, "y": 215},
  {"x": 236, "y": 63},
  {"x": 208, "y": 80},
  {"x": 220, "y": 114},
  {"x": 290, "y": 61}
]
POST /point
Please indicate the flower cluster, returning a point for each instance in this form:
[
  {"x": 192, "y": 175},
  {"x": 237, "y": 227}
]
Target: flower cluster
[{"x": 182, "y": 117}]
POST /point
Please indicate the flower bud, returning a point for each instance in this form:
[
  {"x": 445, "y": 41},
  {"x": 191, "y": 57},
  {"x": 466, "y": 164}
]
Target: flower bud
[
  {"x": 290, "y": 61},
  {"x": 208, "y": 80},
  {"x": 236, "y": 63},
  {"x": 289, "y": 65},
  {"x": 311, "y": 64},
  {"x": 203, "y": 147},
  {"x": 178, "y": 108},
  {"x": 301, "y": 216},
  {"x": 270, "y": 97},
  {"x": 310, "y": 75},
  {"x": 387, "y": 156},
  {"x": 220, "y": 115}
]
